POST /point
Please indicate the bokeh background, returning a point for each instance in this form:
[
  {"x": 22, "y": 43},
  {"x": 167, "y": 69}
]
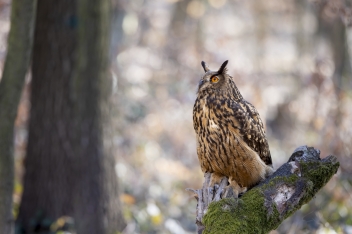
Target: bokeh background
[{"x": 291, "y": 59}]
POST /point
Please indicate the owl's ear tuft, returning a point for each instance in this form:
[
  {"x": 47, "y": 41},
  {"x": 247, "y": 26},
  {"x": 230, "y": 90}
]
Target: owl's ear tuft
[
  {"x": 205, "y": 66},
  {"x": 223, "y": 68}
]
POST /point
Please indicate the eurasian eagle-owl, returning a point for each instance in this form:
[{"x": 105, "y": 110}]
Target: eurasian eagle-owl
[{"x": 230, "y": 134}]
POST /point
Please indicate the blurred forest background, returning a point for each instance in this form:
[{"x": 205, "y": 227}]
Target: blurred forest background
[{"x": 291, "y": 59}]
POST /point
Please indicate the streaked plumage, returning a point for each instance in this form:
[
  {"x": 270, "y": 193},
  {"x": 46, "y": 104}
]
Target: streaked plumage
[{"x": 231, "y": 139}]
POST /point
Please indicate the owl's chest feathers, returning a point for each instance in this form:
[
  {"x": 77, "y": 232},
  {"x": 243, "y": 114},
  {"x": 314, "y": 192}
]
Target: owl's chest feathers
[
  {"x": 211, "y": 115},
  {"x": 221, "y": 147},
  {"x": 215, "y": 134}
]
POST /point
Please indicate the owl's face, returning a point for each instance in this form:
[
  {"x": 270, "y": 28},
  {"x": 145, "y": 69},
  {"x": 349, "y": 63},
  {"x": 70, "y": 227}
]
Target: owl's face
[{"x": 213, "y": 80}]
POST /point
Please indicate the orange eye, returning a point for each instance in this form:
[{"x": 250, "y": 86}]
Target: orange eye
[{"x": 214, "y": 79}]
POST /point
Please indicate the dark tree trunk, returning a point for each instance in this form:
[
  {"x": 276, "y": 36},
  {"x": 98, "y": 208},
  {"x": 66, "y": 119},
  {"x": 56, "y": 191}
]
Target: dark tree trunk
[
  {"x": 97, "y": 206},
  {"x": 48, "y": 181},
  {"x": 68, "y": 172},
  {"x": 16, "y": 65}
]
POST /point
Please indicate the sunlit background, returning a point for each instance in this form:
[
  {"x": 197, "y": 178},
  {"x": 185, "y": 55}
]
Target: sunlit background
[{"x": 291, "y": 59}]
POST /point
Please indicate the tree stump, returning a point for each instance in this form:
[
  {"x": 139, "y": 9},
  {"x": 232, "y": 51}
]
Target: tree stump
[{"x": 265, "y": 206}]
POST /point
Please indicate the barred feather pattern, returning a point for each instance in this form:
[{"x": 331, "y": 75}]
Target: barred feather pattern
[{"x": 230, "y": 133}]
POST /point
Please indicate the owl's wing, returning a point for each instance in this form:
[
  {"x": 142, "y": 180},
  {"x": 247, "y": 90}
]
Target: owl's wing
[{"x": 251, "y": 128}]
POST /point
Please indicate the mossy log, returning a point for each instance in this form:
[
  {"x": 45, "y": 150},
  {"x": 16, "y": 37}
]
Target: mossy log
[{"x": 265, "y": 206}]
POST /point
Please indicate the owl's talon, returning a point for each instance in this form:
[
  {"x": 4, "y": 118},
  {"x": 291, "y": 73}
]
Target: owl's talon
[
  {"x": 215, "y": 179},
  {"x": 224, "y": 192},
  {"x": 237, "y": 189},
  {"x": 216, "y": 187}
]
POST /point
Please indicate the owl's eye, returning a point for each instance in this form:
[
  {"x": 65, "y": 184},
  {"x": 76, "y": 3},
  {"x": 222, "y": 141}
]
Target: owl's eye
[{"x": 214, "y": 79}]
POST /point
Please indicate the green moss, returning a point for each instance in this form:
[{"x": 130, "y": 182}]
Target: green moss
[
  {"x": 253, "y": 213},
  {"x": 319, "y": 173},
  {"x": 245, "y": 215}
]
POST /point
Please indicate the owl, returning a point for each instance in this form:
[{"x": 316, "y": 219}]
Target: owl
[{"x": 230, "y": 134}]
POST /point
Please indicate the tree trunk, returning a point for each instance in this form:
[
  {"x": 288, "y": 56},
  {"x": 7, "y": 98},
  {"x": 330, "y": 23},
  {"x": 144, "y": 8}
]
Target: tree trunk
[
  {"x": 16, "y": 65},
  {"x": 68, "y": 173},
  {"x": 48, "y": 181},
  {"x": 97, "y": 203}
]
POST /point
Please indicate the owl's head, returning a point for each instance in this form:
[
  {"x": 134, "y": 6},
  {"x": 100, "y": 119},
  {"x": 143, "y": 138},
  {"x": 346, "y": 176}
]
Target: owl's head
[{"x": 214, "y": 80}]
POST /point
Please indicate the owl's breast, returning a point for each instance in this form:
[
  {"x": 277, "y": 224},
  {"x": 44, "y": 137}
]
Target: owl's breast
[
  {"x": 220, "y": 145},
  {"x": 200, "y": 115},
  {"x": 209, "y": 117}
]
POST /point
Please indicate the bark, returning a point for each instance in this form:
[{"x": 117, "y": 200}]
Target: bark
[
  {"x": 68, "y": 173},
  {"x": 267, "y": 205},
  {"x": 16, "y": 65},
  {"x": 48, "y": 177},
  {"x": 97, "y": 206}
]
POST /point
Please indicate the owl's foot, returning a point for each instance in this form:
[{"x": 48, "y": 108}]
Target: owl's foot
[
  {"x": 236, "y": 189},
  {"x": 215, "y": 179}
]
